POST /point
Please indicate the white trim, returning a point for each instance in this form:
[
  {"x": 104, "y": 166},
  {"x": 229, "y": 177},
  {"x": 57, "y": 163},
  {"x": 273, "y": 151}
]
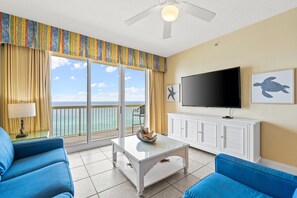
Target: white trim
[
  {"x": 147, "y": 99},
  {"x": 278, "y": 166},
  {"x": 89, "y": 101},
  {"x": 122, "y": 108}
]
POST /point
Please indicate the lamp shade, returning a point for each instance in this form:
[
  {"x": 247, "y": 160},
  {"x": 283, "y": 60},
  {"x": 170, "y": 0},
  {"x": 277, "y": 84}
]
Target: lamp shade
[{"x": 21, "y": 110}]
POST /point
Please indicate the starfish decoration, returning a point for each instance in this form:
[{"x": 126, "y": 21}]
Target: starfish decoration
[{"x": 171, "y": 93}]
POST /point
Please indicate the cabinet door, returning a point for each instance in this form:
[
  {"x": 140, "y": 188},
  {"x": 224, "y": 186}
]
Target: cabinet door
[
  {"x": 234, "y": 140},
  {"x": 191, "y": 130},
  {"x": 208, "y": 132},
  {"x": 177, "y": 127}
]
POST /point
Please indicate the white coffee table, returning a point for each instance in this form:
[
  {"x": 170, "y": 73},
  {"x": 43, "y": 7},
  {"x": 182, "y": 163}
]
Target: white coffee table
[{"x": 140, "y": 161}]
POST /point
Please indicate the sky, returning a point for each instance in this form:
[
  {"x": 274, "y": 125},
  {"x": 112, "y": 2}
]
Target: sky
[{"x": 69, "y": 82}]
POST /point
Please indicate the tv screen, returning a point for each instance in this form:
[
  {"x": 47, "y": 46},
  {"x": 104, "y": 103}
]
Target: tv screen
[{"x": 213, "y": 89}]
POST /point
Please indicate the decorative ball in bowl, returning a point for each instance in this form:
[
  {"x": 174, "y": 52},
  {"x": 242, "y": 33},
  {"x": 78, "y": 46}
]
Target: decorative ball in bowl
[{"x": 144, "y": 135}]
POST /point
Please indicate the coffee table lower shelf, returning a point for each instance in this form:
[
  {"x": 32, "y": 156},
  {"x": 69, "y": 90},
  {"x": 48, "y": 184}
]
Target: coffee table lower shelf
[{"x": 159, "y": 172}]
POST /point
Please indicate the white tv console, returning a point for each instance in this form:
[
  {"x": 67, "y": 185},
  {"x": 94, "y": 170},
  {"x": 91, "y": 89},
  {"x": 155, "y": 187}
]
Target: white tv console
[{"x": 238, "y": 137}]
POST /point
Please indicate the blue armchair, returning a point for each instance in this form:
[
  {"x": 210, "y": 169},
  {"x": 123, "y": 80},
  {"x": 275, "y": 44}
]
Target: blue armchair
[
  {"x": 37, "y": 168},
  {"x": 239, "y": 178}
]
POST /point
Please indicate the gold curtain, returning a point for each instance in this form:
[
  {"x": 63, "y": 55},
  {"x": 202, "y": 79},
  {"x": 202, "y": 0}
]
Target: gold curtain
[
  {"x": 156, "y": 101},
  {"x": 25, "y": 77}
]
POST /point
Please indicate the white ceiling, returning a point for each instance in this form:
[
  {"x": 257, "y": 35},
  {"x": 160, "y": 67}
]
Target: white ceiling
[{"x": 104, "y": 19}]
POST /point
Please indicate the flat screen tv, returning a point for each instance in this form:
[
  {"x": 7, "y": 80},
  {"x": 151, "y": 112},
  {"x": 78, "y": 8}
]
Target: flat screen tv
[{"x": 213, "y": 89}]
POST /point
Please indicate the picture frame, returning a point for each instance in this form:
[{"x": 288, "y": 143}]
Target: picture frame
[
  {"x": 172, "y": 93},
  {"x": 277, "y": 87}
]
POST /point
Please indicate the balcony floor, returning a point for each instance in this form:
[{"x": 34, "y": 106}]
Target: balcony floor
[{"x": 72, "y": 140}]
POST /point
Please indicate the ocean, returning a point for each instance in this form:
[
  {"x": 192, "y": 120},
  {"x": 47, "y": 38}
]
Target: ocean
[{"x": 70, "y": 118}]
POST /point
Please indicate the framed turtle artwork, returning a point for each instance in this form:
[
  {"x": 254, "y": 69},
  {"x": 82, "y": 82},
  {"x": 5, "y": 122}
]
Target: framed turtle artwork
[
  {"x": 172, "y": 93},
  {"x": 274, "y": 87}
]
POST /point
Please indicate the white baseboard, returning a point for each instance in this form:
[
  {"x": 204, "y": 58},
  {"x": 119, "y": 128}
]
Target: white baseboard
[{"x": 279, "y": 166}]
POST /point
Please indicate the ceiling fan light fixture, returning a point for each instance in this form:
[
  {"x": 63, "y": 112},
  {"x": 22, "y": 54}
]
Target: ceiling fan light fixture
[{"x": 170, "y": 12}]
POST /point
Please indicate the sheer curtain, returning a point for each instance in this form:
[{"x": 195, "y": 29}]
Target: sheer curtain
[
  {"x": 25, "y": 77},
  {"x": 156, "y": 101}
]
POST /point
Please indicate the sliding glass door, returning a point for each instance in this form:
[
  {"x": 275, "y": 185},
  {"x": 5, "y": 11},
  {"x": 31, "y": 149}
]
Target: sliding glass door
[
  {"x": 69, "y": 100},
  {"x": 135, "y": 94},
  {"x": 104, "y": 101},
  {"x": 92, "y": 101}
]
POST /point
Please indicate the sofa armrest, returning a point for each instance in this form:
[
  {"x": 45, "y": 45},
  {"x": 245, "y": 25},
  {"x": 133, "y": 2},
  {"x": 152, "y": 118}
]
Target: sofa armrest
[
  {"x": 266, "y": 180},
  {"x": 34, "y": 147}
]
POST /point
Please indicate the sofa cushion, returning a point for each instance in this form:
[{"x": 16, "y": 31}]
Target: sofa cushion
[
  {"x": 272, "y": 182},
  {"x": 6, "y": 152},
  {"x": 46, "y": 182},
  {"x": 217, "y": 185},
  {"x": 63, "y": 195},
  {"x": 35, "y": 162}
]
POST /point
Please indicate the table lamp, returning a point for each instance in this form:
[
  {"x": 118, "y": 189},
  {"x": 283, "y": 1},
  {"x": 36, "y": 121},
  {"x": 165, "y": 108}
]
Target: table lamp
[{"x": 21, "y": 110}]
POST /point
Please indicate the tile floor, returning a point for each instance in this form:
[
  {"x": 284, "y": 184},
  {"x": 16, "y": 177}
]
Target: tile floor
[{"x": 94, "y": 176}]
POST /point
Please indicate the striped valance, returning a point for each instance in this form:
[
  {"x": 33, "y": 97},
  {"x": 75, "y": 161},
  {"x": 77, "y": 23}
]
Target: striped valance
[{"x": 23, "y": 32}]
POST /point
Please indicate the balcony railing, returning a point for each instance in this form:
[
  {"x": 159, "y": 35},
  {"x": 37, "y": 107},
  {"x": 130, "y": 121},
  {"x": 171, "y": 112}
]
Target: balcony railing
[{"x": 72, "y": 120}]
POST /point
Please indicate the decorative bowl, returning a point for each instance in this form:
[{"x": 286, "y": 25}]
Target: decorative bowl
[{"x": 145, "y": 136}]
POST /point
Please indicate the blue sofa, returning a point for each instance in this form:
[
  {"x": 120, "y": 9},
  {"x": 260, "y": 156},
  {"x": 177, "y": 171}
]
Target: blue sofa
[
  {"x": 37, "y": 168},
  {"x": 239, "y": 178}
]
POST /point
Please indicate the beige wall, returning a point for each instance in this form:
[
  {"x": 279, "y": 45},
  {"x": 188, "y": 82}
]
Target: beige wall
[{"x": 265, "y": 46}]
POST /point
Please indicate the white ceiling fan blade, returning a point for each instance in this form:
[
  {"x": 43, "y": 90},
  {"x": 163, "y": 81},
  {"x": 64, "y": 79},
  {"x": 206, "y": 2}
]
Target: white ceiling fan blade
[
  {"x": 198, "y": 12},
  {"x": 141, "y": 15},
  {"x": 167, "y": 30}
]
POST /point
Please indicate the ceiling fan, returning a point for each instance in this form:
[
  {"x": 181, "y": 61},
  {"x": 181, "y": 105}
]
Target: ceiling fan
[{"x": 170, "y": 10}]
